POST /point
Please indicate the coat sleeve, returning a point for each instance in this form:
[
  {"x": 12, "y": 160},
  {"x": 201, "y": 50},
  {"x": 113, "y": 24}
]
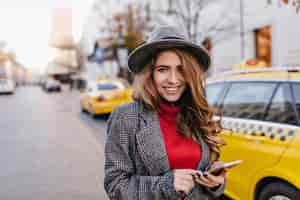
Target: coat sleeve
[
  {"x": 201, "y": 192},
  {"x": 121, "y": 181},
  {"x": 216, "y": 192}
]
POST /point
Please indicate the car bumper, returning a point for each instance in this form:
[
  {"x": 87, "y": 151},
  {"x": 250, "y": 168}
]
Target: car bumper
[
  {"x": 6, "y": 91},
  {"x": 106, "y": 107},
  {"x": 53, "y": 89}
]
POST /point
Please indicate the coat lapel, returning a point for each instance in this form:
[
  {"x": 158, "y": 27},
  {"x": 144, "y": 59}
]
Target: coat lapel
[
  {"x": 150, "y": 144},
  {"x": 204, "y": 161}
]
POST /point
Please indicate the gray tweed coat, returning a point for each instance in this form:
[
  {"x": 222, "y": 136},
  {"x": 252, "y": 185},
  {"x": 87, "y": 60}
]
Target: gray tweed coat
[{"x": 136, "y": 163}]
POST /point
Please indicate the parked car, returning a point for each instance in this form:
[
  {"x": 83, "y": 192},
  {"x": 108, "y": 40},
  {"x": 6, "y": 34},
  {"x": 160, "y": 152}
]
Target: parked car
[
  {"x": 51, "y": 85},
  {"x": 261, "y": 108},
  {"x": 102, "y": 96},
  {"x": 7, "y": 86}
]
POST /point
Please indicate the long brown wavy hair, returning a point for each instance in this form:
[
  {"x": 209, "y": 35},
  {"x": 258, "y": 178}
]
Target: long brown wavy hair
[{"x": 195, "y": 120}]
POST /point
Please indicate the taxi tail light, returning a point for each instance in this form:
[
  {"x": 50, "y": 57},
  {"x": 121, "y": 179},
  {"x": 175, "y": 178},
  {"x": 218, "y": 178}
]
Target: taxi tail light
[{"x": 101, "y": 98}]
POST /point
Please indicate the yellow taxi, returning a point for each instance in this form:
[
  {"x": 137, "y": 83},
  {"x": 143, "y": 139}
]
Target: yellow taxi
[
  {"x": 261, "y": 108},
  {"x": 102, "y": 96}
]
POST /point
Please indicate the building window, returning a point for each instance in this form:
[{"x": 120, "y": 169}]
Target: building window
[{"x": 263, "y": 44}]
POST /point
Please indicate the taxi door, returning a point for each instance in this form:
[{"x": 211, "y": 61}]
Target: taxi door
[{"x": 252, "y": 111}]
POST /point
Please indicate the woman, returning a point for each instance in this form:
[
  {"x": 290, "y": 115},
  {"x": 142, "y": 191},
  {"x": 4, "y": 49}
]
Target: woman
[{"x": 158, "y": 146}]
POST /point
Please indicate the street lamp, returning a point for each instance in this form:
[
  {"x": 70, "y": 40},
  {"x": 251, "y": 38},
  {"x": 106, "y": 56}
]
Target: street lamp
[{"x": 242, "y": 29}]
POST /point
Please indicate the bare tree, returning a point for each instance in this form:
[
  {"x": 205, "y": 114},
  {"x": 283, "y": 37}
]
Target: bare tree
[
  {"x": 189, "y": 13},
  {"x": 295, "y": 3}
]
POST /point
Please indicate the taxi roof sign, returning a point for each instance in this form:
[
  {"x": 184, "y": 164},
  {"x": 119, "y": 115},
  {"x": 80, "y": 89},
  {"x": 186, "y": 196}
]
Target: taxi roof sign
[{"x": 250, "y": 64}]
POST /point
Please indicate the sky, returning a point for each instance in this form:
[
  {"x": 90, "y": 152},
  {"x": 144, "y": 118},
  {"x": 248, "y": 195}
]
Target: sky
[{"x": 25, "y": 26}]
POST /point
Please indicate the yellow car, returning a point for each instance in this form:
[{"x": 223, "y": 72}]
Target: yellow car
[
  {"x": 102, "y": 96},
  {"x": 261, "y": 108}
]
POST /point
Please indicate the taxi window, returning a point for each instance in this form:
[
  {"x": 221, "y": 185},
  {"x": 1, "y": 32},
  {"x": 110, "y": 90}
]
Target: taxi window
[
  {"x": 281, "y": 108},
  {"x": 108, "y": 86},
  {"x": 213, "y": 93},
  {"x": 296, "y": 91},
  {"x": 248, "y": 100}
]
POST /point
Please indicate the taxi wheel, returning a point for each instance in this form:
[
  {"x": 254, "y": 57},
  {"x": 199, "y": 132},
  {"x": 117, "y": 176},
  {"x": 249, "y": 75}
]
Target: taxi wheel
[
  {"x": 92, "y": 113},
  {"x": 82, "y": 109},
  {"x": 279, "y": 191},
  {"x": 94, "y": 116}
]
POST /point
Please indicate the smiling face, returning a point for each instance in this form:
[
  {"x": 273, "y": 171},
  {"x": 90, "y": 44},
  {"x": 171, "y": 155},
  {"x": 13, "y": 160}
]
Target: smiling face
[{"x": 168, "y": 77}]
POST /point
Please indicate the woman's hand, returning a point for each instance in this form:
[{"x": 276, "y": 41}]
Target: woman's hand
[
  {"x": 209, "y": 180},
  {"x": 183, "y": 180}
]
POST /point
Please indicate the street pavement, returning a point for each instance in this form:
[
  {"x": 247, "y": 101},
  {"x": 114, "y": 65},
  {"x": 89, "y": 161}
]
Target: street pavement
[{"x": 48, "y": 148}]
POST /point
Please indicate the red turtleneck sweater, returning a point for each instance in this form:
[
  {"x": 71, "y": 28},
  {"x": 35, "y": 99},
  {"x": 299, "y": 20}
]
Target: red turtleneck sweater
[{"x": 183, "y": 153}]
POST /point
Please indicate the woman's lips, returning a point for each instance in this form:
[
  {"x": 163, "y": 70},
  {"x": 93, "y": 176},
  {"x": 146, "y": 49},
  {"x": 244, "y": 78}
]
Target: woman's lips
[{"x": 171, "y": 90}]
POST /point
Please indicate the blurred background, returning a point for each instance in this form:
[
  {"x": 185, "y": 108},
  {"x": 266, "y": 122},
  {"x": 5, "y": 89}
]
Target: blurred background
[
  {"x": 71, "y": 40},
  {"x": 63, "y": 69}
]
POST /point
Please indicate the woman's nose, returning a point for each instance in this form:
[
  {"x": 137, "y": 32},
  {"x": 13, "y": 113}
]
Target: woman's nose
[{"x": 173, "y": 76}]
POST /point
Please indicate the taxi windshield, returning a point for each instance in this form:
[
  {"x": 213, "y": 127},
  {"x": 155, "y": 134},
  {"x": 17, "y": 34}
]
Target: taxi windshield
[{"x": 108, "y": 86}]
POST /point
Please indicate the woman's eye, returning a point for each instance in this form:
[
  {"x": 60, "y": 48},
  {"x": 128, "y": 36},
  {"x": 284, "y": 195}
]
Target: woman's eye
[
  {"x": 180, "y": 69},
  {"x": 161, "y": 70}
]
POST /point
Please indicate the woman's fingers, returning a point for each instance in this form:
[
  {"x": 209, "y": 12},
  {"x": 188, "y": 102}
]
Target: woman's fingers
[
  {"x": 187, "y": 171},
  {"x": 210, "y": 180},
  {"x": 184, "y": 186},
  {"x": 206, "y": 182},
  {"x": 217, "y": 179},
  {"x": 183, "y": 180},
  {"x": 188, "y": 185},
  {"x": 187, "y": 175},
  {"x": 214, "y": 180},
  {"x": 223, "y": 173}
]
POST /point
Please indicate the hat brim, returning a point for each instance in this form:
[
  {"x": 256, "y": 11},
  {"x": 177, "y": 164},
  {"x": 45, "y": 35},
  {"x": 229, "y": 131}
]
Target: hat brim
[{"x": 144, "y": 53}]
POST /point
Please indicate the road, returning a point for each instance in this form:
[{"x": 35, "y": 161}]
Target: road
[{"x": 49, "y": 149}]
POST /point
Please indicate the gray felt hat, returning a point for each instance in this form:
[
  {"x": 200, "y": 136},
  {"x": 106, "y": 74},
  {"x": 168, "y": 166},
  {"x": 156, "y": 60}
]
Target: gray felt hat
[{"x": 166, "y": 37}]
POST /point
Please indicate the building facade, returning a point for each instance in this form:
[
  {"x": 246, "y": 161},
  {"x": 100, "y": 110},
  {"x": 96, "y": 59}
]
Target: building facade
[
  {"x": 270, "y": 34},
  {"x": 63, "y": 58}
]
